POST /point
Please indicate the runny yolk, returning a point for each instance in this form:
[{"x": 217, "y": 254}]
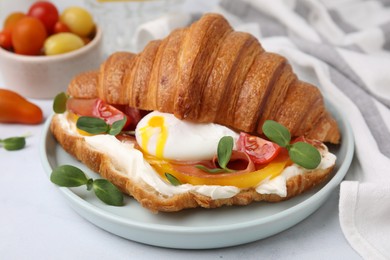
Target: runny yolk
[{"x": 147, "y": 132}]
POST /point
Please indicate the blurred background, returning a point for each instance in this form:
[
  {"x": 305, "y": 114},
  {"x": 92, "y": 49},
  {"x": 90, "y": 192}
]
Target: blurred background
[{"x": 119, "y": 19}]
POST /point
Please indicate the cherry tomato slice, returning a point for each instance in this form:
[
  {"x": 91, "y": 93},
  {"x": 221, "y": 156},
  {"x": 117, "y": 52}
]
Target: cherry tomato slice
[
  {"x": 100, "y": 109},
  {"x": 109, "y": 113},
  {"x": 259, "y": 150}
]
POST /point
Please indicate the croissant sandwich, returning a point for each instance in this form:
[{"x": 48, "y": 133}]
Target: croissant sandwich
[{"x": 206, "y": 118}]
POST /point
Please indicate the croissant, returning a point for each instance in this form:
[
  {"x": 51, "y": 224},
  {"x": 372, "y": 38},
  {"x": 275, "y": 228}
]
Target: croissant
[{"x": 208, "y": 72}]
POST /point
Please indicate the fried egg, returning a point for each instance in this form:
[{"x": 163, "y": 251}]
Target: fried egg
[{"x": 167, "y": 137}]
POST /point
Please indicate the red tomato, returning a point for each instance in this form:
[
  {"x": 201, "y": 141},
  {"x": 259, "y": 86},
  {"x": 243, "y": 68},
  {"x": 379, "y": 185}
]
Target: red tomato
[
  {"x": 60, "y": 27},
  {"x": 100, "y": 109},
  {"x": 259, "y": 150},
  {"x": 6, "y": 39},
  {"x": 109, "y": 113},
  {"x": 46, "y": 12},
  {"x": 12, "y": 19},
  {"x": 28, "y": 36}
]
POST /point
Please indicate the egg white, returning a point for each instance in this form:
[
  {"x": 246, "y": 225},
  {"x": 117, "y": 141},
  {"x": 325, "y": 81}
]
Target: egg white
[{"x": 185, "y": 140}]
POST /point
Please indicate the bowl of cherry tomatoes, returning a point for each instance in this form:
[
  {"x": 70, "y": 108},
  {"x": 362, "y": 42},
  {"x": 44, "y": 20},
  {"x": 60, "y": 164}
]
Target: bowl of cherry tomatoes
[{"x": 42, "y": 49}]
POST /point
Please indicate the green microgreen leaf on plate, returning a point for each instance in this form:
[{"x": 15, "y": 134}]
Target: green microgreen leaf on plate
[
  {"x": 92, "y": 125},
  {"x": 13, "y": 143},
  {"x": 276, "y": 133},
  {"x": 172, "y": 179},
  {"x": 71, "y": 176},
  {"x": 107, "y": 192},
  {"x": 68, "y": 176},
  {"x": 117, "y": 126},
  {"x": 59, "y": 103},
  {"x": 305, "y": 155}
]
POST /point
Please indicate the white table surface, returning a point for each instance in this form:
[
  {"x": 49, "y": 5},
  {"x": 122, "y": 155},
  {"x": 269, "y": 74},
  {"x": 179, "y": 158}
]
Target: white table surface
[{"x": 38, "y": 223}]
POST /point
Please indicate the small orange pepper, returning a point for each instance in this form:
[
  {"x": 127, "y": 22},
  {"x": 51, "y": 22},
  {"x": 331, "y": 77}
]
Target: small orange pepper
[{"x": 16, "y": 109}]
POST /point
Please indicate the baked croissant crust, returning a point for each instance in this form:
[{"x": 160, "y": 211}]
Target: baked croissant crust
[{"x": 208, "y": 72}]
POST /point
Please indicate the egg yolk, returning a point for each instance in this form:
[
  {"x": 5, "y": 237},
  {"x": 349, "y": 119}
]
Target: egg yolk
[{"x": 147, "y": 132}]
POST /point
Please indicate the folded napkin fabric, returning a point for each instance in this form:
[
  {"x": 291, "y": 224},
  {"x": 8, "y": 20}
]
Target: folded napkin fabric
[{"x": 347, "y": 45}]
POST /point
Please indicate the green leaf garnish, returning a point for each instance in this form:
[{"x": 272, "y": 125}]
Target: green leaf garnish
[
  {"x": 224, "y": 151},
  {"x": 117, "y": 126},
  {"x": 68, "y": 176},
  {"x": 172, "y": 179},
  {"x": 59, "y": 103},
  {"x": 305, "y": 155},
  {"x": 95, "y": 125},
  {"x": 13, "y": 143},
  {"x": 71, "y": 176},
  {"x": 107, "y": 192},
  {"x": 92, "y": 125},
  {"x": 276, "y": 132},
  {"x": 301, "y": 153}
]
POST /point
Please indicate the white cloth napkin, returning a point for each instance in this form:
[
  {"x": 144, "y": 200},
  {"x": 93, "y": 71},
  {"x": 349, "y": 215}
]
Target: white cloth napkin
[{"x": 347, "y": 45}]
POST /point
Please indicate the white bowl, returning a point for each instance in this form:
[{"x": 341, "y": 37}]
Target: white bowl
[{"x": 43, "y": 77}]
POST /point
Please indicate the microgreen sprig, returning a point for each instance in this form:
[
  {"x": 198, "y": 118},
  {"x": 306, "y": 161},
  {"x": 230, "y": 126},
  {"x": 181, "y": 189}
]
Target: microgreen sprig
[
  {"x": 59, "y": 103},
  {"x": 13, "y": 143},
  {"x": 224, "y": 152},
  {"x": 172, "y": 179},
  {"x": 94, "y": 125},
  {"x": 301, "y": 153},
  {"x": 71, "y": 176}
]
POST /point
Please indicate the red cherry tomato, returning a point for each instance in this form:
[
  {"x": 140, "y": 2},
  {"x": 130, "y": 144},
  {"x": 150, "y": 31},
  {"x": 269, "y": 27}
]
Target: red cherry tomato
[
  {"x": 6, "y": 39},
  {"x": 46, "y": 12},
  {"x": 100, "y": 109},
  {"x": 60, "y": 27},
  {"x": 109, "y": 113},
  {"x": 28, "y": 36},
  {"x": 259, "y": 150}
]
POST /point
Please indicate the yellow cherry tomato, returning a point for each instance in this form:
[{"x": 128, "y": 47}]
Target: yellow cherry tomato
[
  {"x": 78, "y": 20},
  {"x": 62, "y": 43}
]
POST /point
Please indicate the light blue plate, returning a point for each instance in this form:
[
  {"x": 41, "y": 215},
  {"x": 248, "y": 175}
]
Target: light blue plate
[{"x": 198, "y": 228}]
